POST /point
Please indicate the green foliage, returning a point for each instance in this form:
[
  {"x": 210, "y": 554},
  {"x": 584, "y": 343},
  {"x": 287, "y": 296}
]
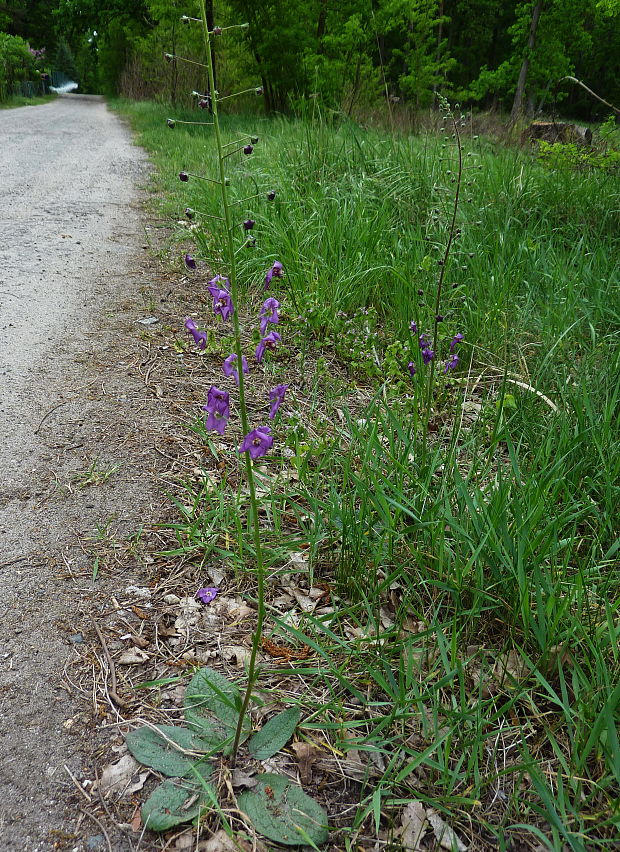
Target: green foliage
[
  {"x": 282, "y": 812},
  {"x": 558, "y": 155},
  {"x": 16, "y": 63},
  {"x": 211, "y": 707},
  {"x": 162, "y": 748},
  {"x": 275, "y": 734},
  {"x": 64, "y": 61},
  {"x": 178, "y": 800},
  {"x": 277, "y": 807}
]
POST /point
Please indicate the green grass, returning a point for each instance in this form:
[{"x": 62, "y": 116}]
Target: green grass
[
  {"x": 18, "y": 101},
  {"x": 498, "y": 537}
]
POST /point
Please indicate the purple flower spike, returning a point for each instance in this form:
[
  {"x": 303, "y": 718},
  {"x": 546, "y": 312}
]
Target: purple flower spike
[
  {"x": 451, "y": 363},
  {"x": 183, "y": 176},
  {"x": 427, "y": 355},
  {"x": 456, "y": 340},
  {"x": 218, "y": 409},
  {"x": 190, "y": 262},
  {"x": 411, "y": 368},
  {"x": 269, "y": 342},
  {"x": 257, "y": 442},
  {"x": 248, "y": 149},
  {"x": 269, "y": 313},
  {"x": 208, "y": 594},
  {"x": 277, "y": 398},
  {"x": 249, "y": 224},
  {"x": 200, "y": 338},
  {"x": 229, "y": 369},
  {"x": 276, "y": 271},
  {"x": 413, "y": 326}
]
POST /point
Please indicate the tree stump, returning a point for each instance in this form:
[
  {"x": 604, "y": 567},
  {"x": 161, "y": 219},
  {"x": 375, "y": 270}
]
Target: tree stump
[{"x": 553, "y": 131}]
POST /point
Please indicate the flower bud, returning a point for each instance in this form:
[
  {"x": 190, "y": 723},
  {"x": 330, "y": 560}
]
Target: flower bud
[
  {"x": 169, "y": 57},
  {"x": 190, "y": 213},
  {"x": 254, "y": 140},
  {"x": 259, "y": 90},
  {"x": 183, "y": 176},
  {"x": 171, "y": 123}
]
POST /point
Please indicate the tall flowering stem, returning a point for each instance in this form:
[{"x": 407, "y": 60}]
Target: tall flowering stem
[
  {"x": 444, "y": 261},
  {"x": 232, "y": 274}
]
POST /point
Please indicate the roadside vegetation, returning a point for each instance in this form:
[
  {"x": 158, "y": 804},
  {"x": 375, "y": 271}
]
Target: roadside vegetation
[{"x": 442, "y": 553}]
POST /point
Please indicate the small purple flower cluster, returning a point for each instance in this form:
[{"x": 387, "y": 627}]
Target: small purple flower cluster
[
  {"x": 428, "y": 354},
  {"x": 259, "y": 441}
]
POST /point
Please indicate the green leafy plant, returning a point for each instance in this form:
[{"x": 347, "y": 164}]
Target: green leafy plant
[{"x": 277, "y": 807}]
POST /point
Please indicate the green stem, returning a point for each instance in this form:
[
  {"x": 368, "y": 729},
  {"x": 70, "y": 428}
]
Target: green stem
[
  {"x": 260, "y": 570},
  {"x": 442, "y": 273}
]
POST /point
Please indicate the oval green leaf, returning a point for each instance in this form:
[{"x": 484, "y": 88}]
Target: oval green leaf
[
  {"x": 173, "y": 802},
  {"x": 275, "y": 734},
  {"x": 211, "y": 705},
  {"x": 162, "y": 748},
  {"x": 282, "y": 812}
]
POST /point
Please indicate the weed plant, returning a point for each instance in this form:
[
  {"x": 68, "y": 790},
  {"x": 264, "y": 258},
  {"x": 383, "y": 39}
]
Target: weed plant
[{"x": 472, "y": 653}]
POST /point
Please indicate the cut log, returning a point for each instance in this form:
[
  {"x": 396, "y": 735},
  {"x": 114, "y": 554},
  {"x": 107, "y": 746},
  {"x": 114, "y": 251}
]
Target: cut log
[{"x": 553, "y": 131}]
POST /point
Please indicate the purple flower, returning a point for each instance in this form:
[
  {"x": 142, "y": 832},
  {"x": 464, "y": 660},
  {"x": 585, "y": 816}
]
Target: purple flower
[
  {"x": 249, "y": 224},
  {"x": 277, "y": 271},
  {"x": 218, "y": 283},
  {"x": 277, "y": 398},
  {"x": 205, "y": 103},
  {"x": 223, "y": 305},
  {"x": 169, "y": 57},
  {"x": 413, "y": 326},
  {"x": 411, "y": 368},
  {"x": 271, "y": 195},
  {"x": 424, "y": 341},
  {"x": 455, "y": 340},
  {"x": 183, "y": 176},
  {"x": 257, "y": 442},
  {"x": 171, "y": 123},
  {"x": 190, "y": 262},
  {"x": 200, "y": 338},
  {"x": 259, "y": 90},
  {"x": 270, "y": 341},
  {"x": 439, "y": 317},
  {"x": 208, "y": 594},
  {"x": 218, "y": 409},
  {"x": 269, "y": 313},
  {"x": 451, "y": 363},
  {"x": 229, "y": 370},
  {"x": 248, "y": 149},
  {"x": 217, "y": 31},
  {"x": 427, "y": 355},
  {"x": 190, "y": 213}
]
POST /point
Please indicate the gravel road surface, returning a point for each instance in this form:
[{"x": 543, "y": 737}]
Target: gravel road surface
[{"x": 70, "y": 235}]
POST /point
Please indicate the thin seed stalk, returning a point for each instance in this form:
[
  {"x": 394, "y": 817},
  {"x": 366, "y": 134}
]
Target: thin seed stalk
[
  {"x": 442, "y": 273},
  {"x": 249, "y": 471}
]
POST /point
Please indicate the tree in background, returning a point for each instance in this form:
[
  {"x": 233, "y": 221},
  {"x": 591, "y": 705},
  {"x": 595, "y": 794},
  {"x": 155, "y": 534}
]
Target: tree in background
[{"x": 16, "y": 63}]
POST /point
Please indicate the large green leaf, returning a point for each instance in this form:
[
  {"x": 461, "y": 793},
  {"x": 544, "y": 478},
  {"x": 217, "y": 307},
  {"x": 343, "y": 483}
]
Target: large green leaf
[
  {"x": 177, "y": 800},
  {"x": 281, "y": 811},
  {"x": 162, "y": 748},
  {"x": 274, "y": 735},
  {"x": 212, "y": 709}
]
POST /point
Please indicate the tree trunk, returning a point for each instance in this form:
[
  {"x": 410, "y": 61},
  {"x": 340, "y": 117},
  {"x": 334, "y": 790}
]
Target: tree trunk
[{"x": 517, "y": 104}]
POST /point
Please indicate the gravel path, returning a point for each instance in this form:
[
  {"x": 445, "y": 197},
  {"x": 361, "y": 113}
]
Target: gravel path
[{"x": 70, "y": 242}]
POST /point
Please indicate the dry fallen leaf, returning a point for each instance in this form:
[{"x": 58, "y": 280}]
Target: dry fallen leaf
[
  {"x": 238, "y": 655},
  {"x": 133, "y": 656},
  {"x": 242, "y": 779},
  {"x": 221, "y": 842},
  {"x": 307, "y": 755},
  {"x": 189, "y": 614},
  {"x": 411, "y": 829},
  {"x": 117, "y": 777},
  {"x": 446, "y": 836}
]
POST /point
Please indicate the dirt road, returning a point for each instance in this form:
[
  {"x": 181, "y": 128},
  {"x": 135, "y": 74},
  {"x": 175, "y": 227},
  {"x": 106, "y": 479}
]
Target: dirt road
[{"x": 70, "y": 243}]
